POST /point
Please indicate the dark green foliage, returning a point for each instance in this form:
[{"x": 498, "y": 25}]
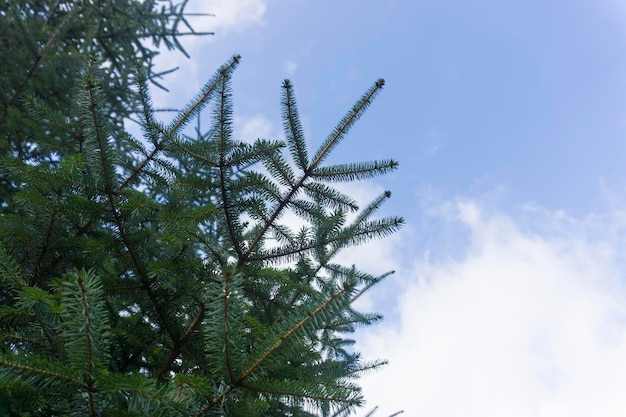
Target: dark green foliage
[
  {"x": 155, "y": 276},
  {"x": 43, "y": 45}
]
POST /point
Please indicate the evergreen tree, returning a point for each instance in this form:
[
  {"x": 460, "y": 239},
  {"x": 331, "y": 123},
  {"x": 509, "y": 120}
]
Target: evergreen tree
[{"x": 154, "y": 275}]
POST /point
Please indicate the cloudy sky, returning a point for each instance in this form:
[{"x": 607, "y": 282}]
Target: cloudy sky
[{"x": 509, "y": 121}]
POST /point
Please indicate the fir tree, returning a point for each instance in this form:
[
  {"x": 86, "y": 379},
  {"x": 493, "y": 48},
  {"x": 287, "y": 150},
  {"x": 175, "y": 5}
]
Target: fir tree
[{"x": 154, "y": 275}]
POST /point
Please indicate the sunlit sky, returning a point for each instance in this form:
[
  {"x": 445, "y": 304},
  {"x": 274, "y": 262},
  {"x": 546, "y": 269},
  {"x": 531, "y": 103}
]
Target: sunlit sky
[{"x": 509, "y": 122}]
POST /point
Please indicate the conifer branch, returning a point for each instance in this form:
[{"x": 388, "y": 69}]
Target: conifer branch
[
  {"x": 84, "y": 329},
  {"x": 251, "y": 369},
  {"x": 354, "y": 172},
  {"x": 178, "y": 348},
  {"x": 356, "y": 235},
  {"x": 353, "y": 399},
  {"x": 190, "y": 152},
  {"x": 336, "y": 199},
  {"x": 271, "y": 219},
  {"x": 151, "y": 128},
  {"x": 372, "y": 412},
  {"x": 110, "y": 192},
  {"x": 246, "y": 374},
  {"x": 245, "y": 155},
  {"x": 139, "y": 268},
  {"x": 46, "y": 241},
  {"x": 223, "y": 120},
  {"x": 143, "y": 276},
  {"x": 368, "y": 211},
  {"x": 335, "y": 137},
  {"x": 5, "y": 337},
  {"x": 371, "y": 284},
  {"x": 9, "y": 270},
  {"x": 158, "y": 147},
  {"x": 101, "y": 137},
  {"x": 115, "y": 35},
  {"x": 226, "y": 337},
  {"x": 200, "y": 100},
  {"x": 372, "y": 207},
  {"x": 49, "y": 334},
  {"x": 320, "y": 266},
  {"x": 293, "y": 127},
  {"x": 39, "y": 302},
  {"x": 345, "y": 124},
  {"x": 42, "y": 111},
  {"x": 87, "y": 316},
  {"x": 278, "y": 167},
  {"x": 74, "y": 181},
  {"x": 180, "y": 121},
  {"x": 41, "y": 371},
  {"x": 360, "y": 219},
  {"x": 40, "y": 55}
]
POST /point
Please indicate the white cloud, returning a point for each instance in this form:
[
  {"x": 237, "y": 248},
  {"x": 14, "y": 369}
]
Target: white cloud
[
  {"x": 253, "y": 128},
  {"x": 290, "y": 67},
  {"x": 531, "y": 322}
]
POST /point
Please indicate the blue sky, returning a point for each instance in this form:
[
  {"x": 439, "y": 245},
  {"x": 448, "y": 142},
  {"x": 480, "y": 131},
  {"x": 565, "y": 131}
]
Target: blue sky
[{"x": 509, "y": 122}]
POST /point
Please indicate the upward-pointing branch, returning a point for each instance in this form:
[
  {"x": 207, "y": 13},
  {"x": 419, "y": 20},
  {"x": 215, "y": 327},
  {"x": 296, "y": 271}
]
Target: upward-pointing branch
[{"x": 344, "y": 125}]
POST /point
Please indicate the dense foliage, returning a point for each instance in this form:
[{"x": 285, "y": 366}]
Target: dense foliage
[{"x": 156, "y": 275}]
